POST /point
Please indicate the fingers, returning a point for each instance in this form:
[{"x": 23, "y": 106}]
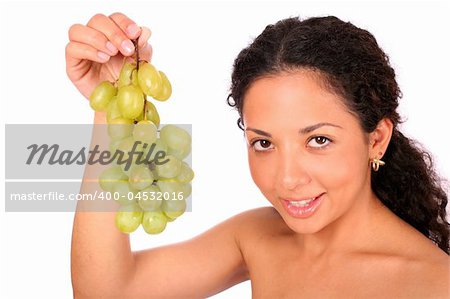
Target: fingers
[
  {"x": 126, "y": 25},
  {"x": 113, "y": 33},
  {"x": 146, "y": 52},
  {"x": 86, "y": 35},
  {"x": 104, "y": 37},
  {"x": 76, "y": 51},
  {"x": 144, "y": 37},
  {"x": 131, "y": 29}
]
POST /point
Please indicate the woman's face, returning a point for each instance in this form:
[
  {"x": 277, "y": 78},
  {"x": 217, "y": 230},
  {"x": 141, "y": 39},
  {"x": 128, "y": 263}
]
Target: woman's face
[{"x": 308, "y": 155}]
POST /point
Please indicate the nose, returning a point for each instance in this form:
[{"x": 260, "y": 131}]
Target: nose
[{"x": 292, "y": 172}]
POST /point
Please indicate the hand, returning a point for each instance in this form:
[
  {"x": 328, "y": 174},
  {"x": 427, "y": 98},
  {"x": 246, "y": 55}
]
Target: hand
[{"x": 96, "y": 52}]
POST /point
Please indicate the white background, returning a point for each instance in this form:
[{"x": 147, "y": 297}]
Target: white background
[{"x": 195, "y": 43}]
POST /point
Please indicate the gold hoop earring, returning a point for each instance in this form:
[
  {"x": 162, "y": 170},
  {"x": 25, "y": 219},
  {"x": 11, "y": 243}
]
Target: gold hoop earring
[{"x": 376, "y": 163}]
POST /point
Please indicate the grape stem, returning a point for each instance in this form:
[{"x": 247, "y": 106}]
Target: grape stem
[
  {"x": 136, "y": 46},
  {"x": 145, "y": 107}
]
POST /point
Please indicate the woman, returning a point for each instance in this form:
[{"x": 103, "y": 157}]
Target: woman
[{"x": 358, "y": 211}]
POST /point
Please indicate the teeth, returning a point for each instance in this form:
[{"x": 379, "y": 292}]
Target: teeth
[{"x": 301, "y": 203}]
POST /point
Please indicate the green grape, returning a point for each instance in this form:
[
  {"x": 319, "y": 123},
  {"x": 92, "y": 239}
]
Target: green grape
[
  {"x": 168, "y": 218},
  {"x": 113, "y": 110},
  {"x": 101, "y": 96},
  {"x": 166, "y": 90},
  {"x": 131, "y": 101},
  {"x": 186, "y": 189},
  {"x": 110, "y": 176},
  {"x": 120, "y": 128},
  {"x": 176, "y": 138},
  {"x": 113, "y": 145},
  {"x": 141, "y": 177},
  {"x": 126, "y": 170},
  {"x": 149, "y": 79},
  {"x": 145, "y": 131},
  {"x": 175, "y": 188},
  {"x": 152, "y": 114},
  {"x": 138, "y": 157},
  {"x": 173, "y": 208},
  {"x": 160, "y": 146},
  {"x": 177, "y": 193},
  {"x": 148, "y": 198},
  {"x": 128, "y": 218},
  {"x": 126, "y": 146},
  {"x": 180, "y": 153},
  {"x": 186, "y": 174},
  {"x": 124, "y": 193},
  {"x": 169, "y": 169},
  {"x": 154, "y": 222},
  {"x": 126, "y": 74}
]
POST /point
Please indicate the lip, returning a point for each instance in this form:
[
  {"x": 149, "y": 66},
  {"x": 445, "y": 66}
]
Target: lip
[{"x": 302, "y": 211}]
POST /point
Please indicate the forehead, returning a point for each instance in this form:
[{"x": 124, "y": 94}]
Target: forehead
[{"x": 299, "y": 97}]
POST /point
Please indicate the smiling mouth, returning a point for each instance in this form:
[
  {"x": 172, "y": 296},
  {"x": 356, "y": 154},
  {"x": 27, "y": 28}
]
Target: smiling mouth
[
  {"x": 302, "y": 208},
  {"x": 300, "y": 203}
]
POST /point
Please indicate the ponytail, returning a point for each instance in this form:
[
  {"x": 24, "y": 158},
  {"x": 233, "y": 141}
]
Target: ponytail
[{"x": 409, "y": 186}]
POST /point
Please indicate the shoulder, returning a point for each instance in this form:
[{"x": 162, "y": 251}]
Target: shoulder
[
  {"x": 419, "y": 263},
  {"x": 429, "y": 277},
  {"x": 259, "y": 220},
  {"x": 260, "y": 226},
  {"x": 256, "y": 214}
]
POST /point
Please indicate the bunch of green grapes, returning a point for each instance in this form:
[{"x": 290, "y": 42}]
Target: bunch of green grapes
[{"x": 153, "y": 188}]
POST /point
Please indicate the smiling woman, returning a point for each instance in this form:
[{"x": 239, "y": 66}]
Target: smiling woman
[
  {"x": 357, "y": 210},
  {"x": 324, "y": 74},
  {"x": 317, "y": 101}
]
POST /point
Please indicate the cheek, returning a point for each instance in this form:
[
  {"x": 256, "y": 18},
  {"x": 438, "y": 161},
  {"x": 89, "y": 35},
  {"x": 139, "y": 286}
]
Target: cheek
[
  {"x": 261, "y": 170},
  {"x": 345, "y": 173}
]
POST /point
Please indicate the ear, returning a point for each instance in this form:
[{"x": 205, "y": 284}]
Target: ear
[{"x": 379, "y": 138}]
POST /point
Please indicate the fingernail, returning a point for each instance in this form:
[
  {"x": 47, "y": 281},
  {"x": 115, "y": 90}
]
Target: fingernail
[
  {"x": 111, "y": 48},
  {"x": 132, "y": 30},
  {"x": 103, "y": 56},
  {"x": 146, "y": 47},
  {"x": 127, "y": 46}
]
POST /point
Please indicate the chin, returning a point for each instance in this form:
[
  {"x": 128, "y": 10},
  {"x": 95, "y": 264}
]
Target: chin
[
  {"x": 302, "y": 227},
  {"x": 309, "y": 225}
]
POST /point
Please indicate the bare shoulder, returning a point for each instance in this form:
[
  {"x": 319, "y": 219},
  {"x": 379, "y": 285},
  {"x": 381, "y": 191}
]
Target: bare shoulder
[
  {"x": 260, "y": 228},
  {"x": 260, "y": 221},
  {"x": 421, "y": 263},
  {"x": 428, "y": 276},
  {"x": 433, "y": 264},
  {"x": 257, "y": 214}
]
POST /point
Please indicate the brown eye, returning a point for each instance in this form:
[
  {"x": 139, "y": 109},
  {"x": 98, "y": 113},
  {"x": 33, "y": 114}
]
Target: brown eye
[
  {"x": 319, "y": 142},
  {"x": 261, "y": 145},
  {"x": 265, "y": 143}
]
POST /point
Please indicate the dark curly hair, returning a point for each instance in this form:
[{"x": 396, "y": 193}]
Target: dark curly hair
[{"x": 353, "y": 66}]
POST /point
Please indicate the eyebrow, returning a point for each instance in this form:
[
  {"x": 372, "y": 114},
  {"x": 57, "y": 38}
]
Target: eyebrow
[{"x": 305, "y": 130}]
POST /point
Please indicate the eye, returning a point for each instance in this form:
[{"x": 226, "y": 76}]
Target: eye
[
  {"x": 319, "y": 142},
  {"x": 261, "y": 145}
]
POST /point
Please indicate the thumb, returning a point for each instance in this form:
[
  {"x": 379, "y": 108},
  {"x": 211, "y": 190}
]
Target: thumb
[
  {"x": 144, "y": 36},
  {"x": 146, "y": 52}
]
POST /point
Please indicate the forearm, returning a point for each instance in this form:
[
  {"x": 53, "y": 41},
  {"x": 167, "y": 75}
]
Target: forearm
[{"x": 101, "y": 259}]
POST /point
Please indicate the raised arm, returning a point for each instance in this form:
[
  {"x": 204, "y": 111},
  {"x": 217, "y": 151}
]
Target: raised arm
[{"x": 102, "y": 263}]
